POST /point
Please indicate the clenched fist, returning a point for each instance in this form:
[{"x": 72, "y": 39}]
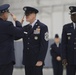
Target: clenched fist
[
  {"x": 58, "y": 58},
  {"x": 39, "y": 63}
]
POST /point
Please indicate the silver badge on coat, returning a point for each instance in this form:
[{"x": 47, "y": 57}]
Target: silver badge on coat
[
  {"x": 36, "y": 38},
  {"x": 69, "y": 38},
  {"x": 46, "y": 36}
]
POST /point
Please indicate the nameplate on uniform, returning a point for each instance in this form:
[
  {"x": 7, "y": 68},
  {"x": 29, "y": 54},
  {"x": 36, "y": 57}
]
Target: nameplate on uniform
[
  {"x": 25, "y": 32},
  {"x": 68, "y": 33}
]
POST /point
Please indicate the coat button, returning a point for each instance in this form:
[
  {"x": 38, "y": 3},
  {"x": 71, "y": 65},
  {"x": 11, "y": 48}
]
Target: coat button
[
  {"x": 28, "y": 43},
  {"x": 74, "y": 48},
  {"x": 28, "y": 38},
  {"x": 28, "y": 48},
  {"x": 74, "y": 43}
]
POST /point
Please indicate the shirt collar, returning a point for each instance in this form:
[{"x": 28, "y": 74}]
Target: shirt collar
[
  {"x": 34, "y": 23},
  {"x": 57, "y": 44},
  {"x": 74, "y": 25}
]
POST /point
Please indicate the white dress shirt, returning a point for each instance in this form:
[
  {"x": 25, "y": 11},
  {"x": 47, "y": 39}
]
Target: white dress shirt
[
  {"x": 34, "y": 23},
  {"x": 57, "y": 44},
  {"x": 74, "y": 25}
]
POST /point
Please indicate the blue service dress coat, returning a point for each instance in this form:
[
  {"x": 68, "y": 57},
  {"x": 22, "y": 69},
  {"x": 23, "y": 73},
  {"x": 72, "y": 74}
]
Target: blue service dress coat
[
  {"x": 35, "y": 43},
  {"x": 57, "y": 65},
  {"x": 55, "y": 51},
  {"x": 7, "y": 34},
  {"x": 69, "y": 43}
]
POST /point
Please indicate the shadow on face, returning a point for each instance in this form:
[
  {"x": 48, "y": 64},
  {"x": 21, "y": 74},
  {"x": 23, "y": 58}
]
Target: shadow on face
[
  {"x": 73, "y": 17},
  {"x": 4, "y": 15},
  {"x": 30, "y": 17}
]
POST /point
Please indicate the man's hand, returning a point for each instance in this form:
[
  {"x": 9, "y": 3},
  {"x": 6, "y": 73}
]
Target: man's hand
[
  {"x": 58, "y": 58},
  {"x": 64, "y": 62},
  {"x": 39, "y": 63},
  {"x": 13, "y": 16},
  {"x": 22, "y": 20}
]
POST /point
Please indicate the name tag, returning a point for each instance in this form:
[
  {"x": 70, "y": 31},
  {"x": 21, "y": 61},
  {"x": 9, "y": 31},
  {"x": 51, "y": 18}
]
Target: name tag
[
  {"x": 68, "y": 33},
  {"x": 25, "y": 33}
]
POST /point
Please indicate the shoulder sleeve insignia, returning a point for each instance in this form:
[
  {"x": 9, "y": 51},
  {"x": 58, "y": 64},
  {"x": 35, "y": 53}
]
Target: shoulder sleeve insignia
[{"x": 46, "y": 36}]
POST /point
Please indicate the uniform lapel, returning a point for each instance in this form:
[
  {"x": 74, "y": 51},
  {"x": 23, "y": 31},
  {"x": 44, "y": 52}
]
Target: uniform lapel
[
  {"x": 32, "y": 29},
  {"x": 72, "y": 27},
  {"x": 71, "y": 30}
]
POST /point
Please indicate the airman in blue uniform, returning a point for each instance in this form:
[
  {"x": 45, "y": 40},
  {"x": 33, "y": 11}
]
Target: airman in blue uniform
[
  {"x": 35, "y": 43},
  {"x": 56, "y": 56},
  {"x": 7, "y": 34},
  {"x": 69, "y": 43}
]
